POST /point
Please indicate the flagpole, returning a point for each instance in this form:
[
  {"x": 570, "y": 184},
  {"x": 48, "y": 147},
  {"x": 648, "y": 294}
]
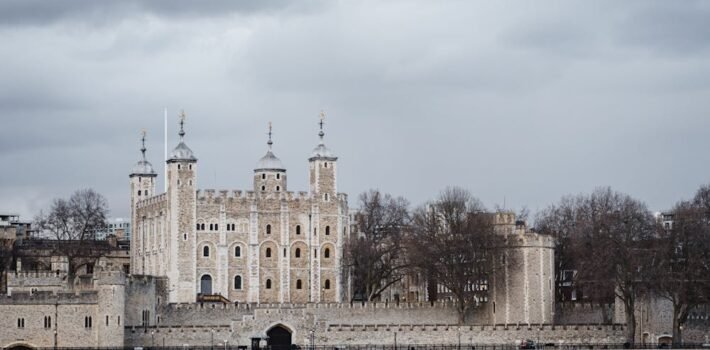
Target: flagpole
[{"x": 165, "y": 150}]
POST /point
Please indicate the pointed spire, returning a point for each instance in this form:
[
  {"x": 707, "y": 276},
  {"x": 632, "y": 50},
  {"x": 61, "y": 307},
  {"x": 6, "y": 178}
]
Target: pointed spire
[
  {"x": 269, "y": 142},
  {"x": 321, "y": 133},
  {"x": 143, "y": 149},
  {"x": 182, "y": 125}
]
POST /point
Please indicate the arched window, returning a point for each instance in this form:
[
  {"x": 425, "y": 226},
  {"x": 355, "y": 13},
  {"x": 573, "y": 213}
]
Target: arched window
[
  {"x": 298, "y": 252},
  {"x": 139, "y": 192},
  {"x": 216, "y": 227},
  {"x": 326, "y": 253},
  {"x": 206, "y": 251},
  {"x": 237, "y": 282},
  {"x": 268, "y": 229},
  {"x": 327, "y": 230},
  {"x": 263, "y": 176},
  {"x": 278, "y": 188},
  {"x": 237, "y": 251},
  {"x": 325, "y": 197},
  {"x": 263, "y": 188},
  {"x": 268, "y": 284},
  {"x": 327, "y": 284},
  {"x": 299, "y": 284},
  {"x": 326, "y": 164},
  {"x": 298, "y": 229},
  {"x": 278, "y": 176},
  {"x": 211, "y": 227},
  {"x": 268, "y": 252}
]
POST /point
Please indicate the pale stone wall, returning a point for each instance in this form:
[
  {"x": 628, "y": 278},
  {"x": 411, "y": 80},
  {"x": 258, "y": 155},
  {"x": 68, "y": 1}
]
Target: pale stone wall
[
  {"x": 47, "y": 319},
  {"x": 340, "y": 324},
  {"x": 272, "y": 219}
]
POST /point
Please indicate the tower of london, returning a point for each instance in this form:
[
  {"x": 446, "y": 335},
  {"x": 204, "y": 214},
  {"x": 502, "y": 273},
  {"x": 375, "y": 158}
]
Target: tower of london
[{"x": 264, "y": 245}]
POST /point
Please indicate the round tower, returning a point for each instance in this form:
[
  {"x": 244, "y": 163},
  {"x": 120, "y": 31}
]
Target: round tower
[
  {"x": 142, "y": 187},
  {"x": 269, "y": 172},
  {"x": 182, "y": 168},
  {"x": 523, "y": 282}
]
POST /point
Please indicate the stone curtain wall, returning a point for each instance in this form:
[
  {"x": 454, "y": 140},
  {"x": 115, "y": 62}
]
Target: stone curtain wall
[{"x": 340, "y": 324}]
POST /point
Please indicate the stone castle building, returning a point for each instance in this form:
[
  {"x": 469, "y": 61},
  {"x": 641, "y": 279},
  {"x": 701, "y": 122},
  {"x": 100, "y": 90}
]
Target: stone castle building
[
  {"x": 267, "y": 244},
  {"x": 264, "y": 267}
]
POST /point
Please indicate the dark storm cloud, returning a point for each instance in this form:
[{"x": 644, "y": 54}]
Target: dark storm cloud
[{"x": 511, "y": 100}]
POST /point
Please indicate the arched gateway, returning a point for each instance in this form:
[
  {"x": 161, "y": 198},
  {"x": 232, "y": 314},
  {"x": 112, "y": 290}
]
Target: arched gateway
[{"x": 279, "y": 338}]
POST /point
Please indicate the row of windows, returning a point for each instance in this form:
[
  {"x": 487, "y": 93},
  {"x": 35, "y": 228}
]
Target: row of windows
[
  {"x": 233, "y": 227},
  {"x": 278, "y": 188},
  {"x": 48, "y": 322},
  {"x": 189, "y": 166},
  {"x": 267, "y": 253},
  {"x": 146, "y": 192},
  {"x": 263, "y": 176},
  {"x": 267, "y": 285}
]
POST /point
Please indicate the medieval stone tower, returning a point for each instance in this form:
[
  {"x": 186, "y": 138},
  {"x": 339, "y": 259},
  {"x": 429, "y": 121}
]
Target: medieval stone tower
[
  {"x": 523, "y": 284},
  {"x": 263, "y": 245},
  {"x": 181, "y": 262},
  {"x": 142, "y": 187}
]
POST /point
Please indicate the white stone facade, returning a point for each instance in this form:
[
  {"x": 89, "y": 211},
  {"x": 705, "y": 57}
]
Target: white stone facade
[{"x": 264, "y": 245}]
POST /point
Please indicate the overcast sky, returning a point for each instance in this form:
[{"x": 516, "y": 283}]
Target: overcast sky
[{"x": 526, "y": 101}]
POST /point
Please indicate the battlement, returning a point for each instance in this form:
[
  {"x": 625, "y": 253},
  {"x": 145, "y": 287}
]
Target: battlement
[
  {"x": 520, "y": 238},
  {"x": 310, "y": 306},
  {"x": 158, "y": 199},
  {"x": 211, "y": 195},
  {"x": 438, "y": 327},
  {"x": 39, "y": 298}
]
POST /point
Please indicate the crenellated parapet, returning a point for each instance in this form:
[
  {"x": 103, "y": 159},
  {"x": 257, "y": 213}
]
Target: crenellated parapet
[
  {"x": 46, "y": 297},
  {"x": 159, "y": 200}
]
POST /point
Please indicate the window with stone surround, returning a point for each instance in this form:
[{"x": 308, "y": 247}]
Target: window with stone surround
[
  {"x": 268, "y": 229},
  {"x": 87, "y": 322},
  {"x": 298, "y": 229},
  {"x": 268, "y": 252},
  {"x": 299, "y": 284},
  {"x": 268, "y": 283},
  {"x": 278, "y": 176},
  {"x": 237, "y": 251},
  {"x": 278, "y": 188},
  {"x": 263, "y": 176},
  {"x": 327, "y": 284},
  {"x": 47, "y": 321},
  {"x": 326, "y": 253},
  {"x": 21, "y": 323},
  {"x": 263, "y": 188},
  {"x": 238, "y": 282},
  {"x": 206, "y": 251},
  {"x": 327, "y": 230},
  {"x": 298, "y": 252}
]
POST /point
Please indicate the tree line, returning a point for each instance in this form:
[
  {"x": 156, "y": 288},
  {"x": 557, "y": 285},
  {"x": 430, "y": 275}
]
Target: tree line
[{"x": 609, "y": 248}]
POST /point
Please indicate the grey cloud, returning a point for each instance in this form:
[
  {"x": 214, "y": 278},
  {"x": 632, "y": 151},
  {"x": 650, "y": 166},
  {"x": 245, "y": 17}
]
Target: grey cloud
[
  {"x": 667, "y": 28},
  {"x": 507, "y": 101},
  {"x": 37, "y": 12}
]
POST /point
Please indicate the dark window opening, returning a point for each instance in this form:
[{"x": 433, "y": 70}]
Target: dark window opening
[
  {"x": 327, "y": 230},
  {"x": 298, "y": 252},
  {"x": 298, "y": 229},
  {"x": 268, "y": 252},
  {"x": 237, "y": 282},
  {"x": 327, "y": 284},
  {"x": 299, "y": 284},
  {"x": 268, "y": 284}
]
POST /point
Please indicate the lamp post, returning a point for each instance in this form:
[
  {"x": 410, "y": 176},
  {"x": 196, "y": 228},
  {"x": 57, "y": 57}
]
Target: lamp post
[
  {"x": 312, "y": 335},
  {"x": 459, "y": 334},
  {"x": 212, "y": 339},
  {"x": 395, "y": 340},
  {"x": 152, "y": 339}
]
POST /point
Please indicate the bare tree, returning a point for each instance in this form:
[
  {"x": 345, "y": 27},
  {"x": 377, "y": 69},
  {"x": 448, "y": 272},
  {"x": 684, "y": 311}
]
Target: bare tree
[
  {"x": 374, "y": 254},
  {"x": 453, "y": 243},
  {"x": 683, "y": 263},
  {"x": 606, "y": 237},
  {"x": 73, "y": 224}
]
